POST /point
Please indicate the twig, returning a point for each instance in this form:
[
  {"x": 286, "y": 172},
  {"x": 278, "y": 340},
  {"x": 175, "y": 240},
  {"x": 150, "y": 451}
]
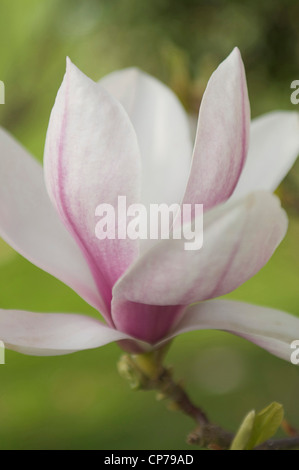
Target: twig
[
  {"x": 146, "y": 374},
  {"x": 289, "y": 443}
]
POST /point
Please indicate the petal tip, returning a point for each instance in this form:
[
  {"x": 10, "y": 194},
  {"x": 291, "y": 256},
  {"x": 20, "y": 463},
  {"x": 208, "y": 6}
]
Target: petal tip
[
  {"x": 70, "y": 66},
  {"x": 236, "y": 51},
  {"x": 235, "y": 60}
]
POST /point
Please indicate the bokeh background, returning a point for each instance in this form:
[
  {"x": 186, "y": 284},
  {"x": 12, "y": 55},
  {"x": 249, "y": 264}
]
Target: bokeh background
[{"x": 79, "y": 401}]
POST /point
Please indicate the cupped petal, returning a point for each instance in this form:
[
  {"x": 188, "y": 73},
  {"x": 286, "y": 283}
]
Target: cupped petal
[
  {"x": 271, "y": 329},
  {"x": 222, "y": 135},
  {"x": 53, "y": 334},
  {"x": 274, "y": 147},
  {"x": 91, "y": 158},
  {"x": 30, "y": 224},
  {"x": 238, "y": 240},
  {"x": 145, "y": 322},
  {"x": 162, "y": 130}
]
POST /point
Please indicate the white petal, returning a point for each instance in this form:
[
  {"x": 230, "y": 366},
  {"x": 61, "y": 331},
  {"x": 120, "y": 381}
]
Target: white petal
[
  {"x": 162, "y": 130},
  {"x": 271, "y": 329},
  {"x": 30, "y": 224},
  {"x": 53, "y": 334},
  {"x": 238, "y": 240},
  {"x": 92, "y": 158},
  {"x": 274, "y": 147},
  {"x": 222, "y": 135}
]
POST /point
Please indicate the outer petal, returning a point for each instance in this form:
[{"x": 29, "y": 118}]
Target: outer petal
[
  {"x": 92, "y": 157},
  {"x": 271, "y": 329},
  {"x": 163, "y": 133},
  {"x": 52, "y": 334},
  {"x": 29, "y": 223},
  {"x": 274, "y": 147},
  {"x": 222, "y": 135},
  {"x": 239, "y": 239}
]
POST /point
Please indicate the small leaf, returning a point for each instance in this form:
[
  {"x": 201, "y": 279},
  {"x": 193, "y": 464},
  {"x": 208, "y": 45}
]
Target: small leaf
[
  {"x": 244, "y": 433},
  {"x": 266, "y": 424}
]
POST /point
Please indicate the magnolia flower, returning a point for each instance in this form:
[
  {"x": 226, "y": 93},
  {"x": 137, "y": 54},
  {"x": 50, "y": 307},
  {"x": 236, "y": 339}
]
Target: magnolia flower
[{"x": 128, "y": 135}]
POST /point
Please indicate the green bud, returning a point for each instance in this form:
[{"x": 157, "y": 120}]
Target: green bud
[
  {"x": 244, "y": 433},
  {"x": 258, "y": 428},
  {"x": 266, "y": 424}
]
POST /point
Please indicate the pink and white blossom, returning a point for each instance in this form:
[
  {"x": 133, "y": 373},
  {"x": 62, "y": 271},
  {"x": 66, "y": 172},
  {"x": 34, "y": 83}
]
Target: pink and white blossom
[{"x": 129, "y": 135}]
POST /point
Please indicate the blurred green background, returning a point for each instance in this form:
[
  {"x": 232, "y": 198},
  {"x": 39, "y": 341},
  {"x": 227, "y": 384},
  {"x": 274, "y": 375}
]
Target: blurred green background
[{"x": 79, "y": 401}]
